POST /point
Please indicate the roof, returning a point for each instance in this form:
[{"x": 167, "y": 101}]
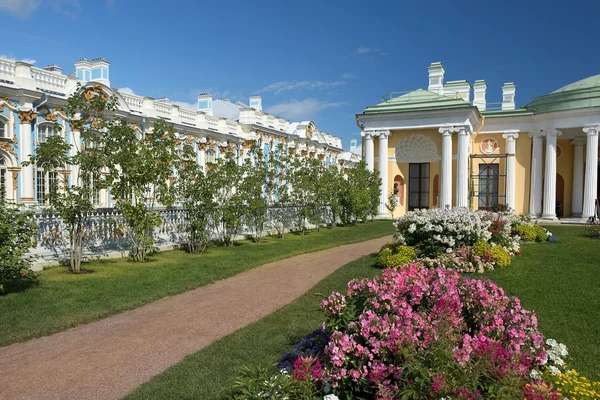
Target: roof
[
  {"x": 417, "y": 100},
  {"x": 584, "y": 93},
  {"x": 225, "y": 108}
]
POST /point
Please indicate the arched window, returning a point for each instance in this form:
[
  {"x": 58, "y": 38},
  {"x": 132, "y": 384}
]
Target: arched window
[
  {"x": 3, "y": 129},
  {"x": 211, "y": 156},
  {"x": 2, "y": 179},
  {"x": 44, "y": 132}
]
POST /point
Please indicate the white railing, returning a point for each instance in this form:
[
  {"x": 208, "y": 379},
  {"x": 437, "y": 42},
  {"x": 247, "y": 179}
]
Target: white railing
[
  {"x": 7, "y": 69},
  {"x": 187, "y": 115},
  {"x": 212, "y": 121},
  {"x": 232, "y": 126},
  {"x": 134, "y": 102},
  {"x": 48, "y": 79},
  {"x": 162, "y": 108}
]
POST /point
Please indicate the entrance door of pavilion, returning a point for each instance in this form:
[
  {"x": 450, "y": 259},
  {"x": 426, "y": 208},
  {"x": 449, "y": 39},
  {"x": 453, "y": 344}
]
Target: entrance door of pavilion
[{"x": 418, "y": 186}]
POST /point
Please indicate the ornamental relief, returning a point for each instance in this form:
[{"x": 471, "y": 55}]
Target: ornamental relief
[
  {"x": 489, "y": 146},
  {"x": 416, "y": 148},
  {"x": 7, "y": 148},
  {"x": 27, "y": 117}
]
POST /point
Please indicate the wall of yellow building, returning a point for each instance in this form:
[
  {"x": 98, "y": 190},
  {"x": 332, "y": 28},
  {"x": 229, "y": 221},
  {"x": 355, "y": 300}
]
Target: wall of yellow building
[
  {"x": 564, "y": 167},
  {"x": 522, "y": 173}
]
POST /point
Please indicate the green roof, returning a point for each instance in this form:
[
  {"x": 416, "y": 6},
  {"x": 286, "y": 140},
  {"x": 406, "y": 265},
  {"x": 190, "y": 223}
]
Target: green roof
[
  {"x": 418, "y": 100},
  {"x": 581, "y": 94}
]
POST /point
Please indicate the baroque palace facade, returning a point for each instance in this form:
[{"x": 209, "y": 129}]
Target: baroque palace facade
[
  {"x": 438, "y": 148},
  {"x": 31, "y": 97}
]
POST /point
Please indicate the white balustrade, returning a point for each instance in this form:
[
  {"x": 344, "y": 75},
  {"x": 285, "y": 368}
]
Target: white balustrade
[
  {"x": 48, "y": 79},
  {"x": 7, "y": 70},
  {"x": 133, "y": 101}
]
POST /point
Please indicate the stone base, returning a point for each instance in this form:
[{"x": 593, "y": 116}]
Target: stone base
[{"x": 549, "y": 217}]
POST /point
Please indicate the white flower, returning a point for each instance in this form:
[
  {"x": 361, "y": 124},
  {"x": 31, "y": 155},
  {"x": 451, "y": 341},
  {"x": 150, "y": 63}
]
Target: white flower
[
  {"x": 554, "y": 370},
  {"x": 551, "y": 342},
  {"x": 331, "y": 397},
  {"x": 534, "y": 374}
]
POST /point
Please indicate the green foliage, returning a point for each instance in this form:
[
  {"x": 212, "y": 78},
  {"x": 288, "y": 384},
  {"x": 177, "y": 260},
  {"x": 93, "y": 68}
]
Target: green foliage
[
  {"x": 501, "y": 257},
  {"x": 592, "y": 230},
  {"x": 395, "y": 255},
  {"x": 531, "y": 233},
  {"x": 392, "y": 203},
  {"x": 140, "y": 171},
  {"x": 196, "y": 193},
  {"x": 73, "y": 197},
  {"x": 226, "y": 176},
  {"x": 260, "y": 382},
  {"x": 481, "y": 247},
  {"x": 17, "y": 236},
  {"x": 355, "y": 195}
]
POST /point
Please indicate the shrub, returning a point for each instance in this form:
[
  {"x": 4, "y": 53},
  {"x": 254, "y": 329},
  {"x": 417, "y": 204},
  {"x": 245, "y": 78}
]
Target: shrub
[
  {"x": 541, "y": 234},
  {"x": 254, "y": 383},
  {"x": 440, "y": 230},
  {"x": 17, "y": 236},
  {"x": 395, "y": 255},
  {"x": 531, "y": 233},
  {"x": 430, "y": 333},
  {"x": 500, "y": 256},
  {"x": 466, "y": 259},
  {"x": 592, "y": 230},
  {"x": 482, "y": 248}
]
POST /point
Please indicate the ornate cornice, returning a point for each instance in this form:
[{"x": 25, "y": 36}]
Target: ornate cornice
[
  {"x": 8, "y": 148},
  {"x": 27, "y": 117}
]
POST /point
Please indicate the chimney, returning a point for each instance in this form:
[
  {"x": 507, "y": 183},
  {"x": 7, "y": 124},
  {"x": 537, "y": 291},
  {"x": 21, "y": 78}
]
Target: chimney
[
  {"x": 83, "y": 70},
  {"x": 54, "y": 68},
  {"x": 205, "y": 103},
  {"x": 256, "y": 102},
  {"x": 460, "y": 89},
  {"x": 436, "y": 78},
  {"x": 479, "y": 89},
  {"x": 508, "y": 96}
]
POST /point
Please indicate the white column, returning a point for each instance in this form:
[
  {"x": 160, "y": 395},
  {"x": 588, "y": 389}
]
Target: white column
[
  {"x": 510, "y": 137},
  {"x": 577, "y": 196},
  {"x": 462, "y": 164},
  {"x": 590, "y": 191},
  {"x": 446, "y": 167},
  {"x": 383, "y": 172},
  {"x": 549, "y": 211},
  {"x": 26, "y": 118},
  {"x": 202, "y": 155},
  {"x": 369, "y": 150},
  {"x": 535, "y": 198}
]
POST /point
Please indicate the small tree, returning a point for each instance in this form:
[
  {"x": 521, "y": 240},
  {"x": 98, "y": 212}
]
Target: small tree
[
  {"x": 225, "y": 175},
  {"x": 141, "y": 169},
  {"x": 392, "y": 203},
  {"x": 278, "y": 194},
  {"x": 73, "y": 199},
  {"x": 17, "y": 236},
  {"x": 329, "y": 193},
  {"x": 253, "y": 191},
  {"x": 356, "y": 200},
  {"x": 301, "y": 190},
  {"x": 196, "y": 194}
]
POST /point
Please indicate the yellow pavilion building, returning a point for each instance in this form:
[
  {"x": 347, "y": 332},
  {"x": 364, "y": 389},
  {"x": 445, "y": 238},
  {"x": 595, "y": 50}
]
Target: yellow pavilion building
[{"x": 440, "y": 148}]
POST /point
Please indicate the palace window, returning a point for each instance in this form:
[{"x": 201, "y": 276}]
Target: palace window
[
  {"x": 44, "y": 132},
  {"x": 3, "y": 129},
  {"x": 45, "y": 182},
  {"x": 418, "y": 186},
  {"x": 488, "y": 186},
  {"x": 211, "y": 156}
]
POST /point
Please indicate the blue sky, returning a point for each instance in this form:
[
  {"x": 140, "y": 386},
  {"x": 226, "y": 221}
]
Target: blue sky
[{"x": 321, "y": 60}]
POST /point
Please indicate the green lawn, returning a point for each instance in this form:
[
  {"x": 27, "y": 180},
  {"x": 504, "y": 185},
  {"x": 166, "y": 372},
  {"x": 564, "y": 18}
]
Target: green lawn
[
  {"x": 560, "y": 281},
  {"x": 64, "y": 300}
]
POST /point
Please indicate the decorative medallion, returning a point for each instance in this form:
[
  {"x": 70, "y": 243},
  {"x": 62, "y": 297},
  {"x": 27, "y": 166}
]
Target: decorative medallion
[
  {"x": 90, "y": 92},
  {"x": 489, "y": 146},
  {"x": 558, "y": 151}
]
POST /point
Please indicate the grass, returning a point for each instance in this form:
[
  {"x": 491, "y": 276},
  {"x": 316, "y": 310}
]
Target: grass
[
  {"x": 209, "y": 374},
  {"x": 561, "y": 283},
  {"x": 64, "y": 300}
]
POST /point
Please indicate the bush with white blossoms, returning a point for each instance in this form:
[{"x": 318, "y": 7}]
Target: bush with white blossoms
[{"x": 438, "y": 230}]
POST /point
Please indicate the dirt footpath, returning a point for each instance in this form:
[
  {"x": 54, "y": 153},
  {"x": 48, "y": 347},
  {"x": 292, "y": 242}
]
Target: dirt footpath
[{"x": 109, "y": 358}]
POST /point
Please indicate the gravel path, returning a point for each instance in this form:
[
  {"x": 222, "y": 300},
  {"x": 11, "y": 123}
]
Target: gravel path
[{"x": 109, "y": 358}]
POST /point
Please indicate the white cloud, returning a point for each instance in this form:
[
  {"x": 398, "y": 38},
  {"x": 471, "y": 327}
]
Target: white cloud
[
  {"x": 365, "y": 50},
  {"x": 127, "y": 90},
  {"x": 20, "y": 8},
  {"x": 186, "y": 105},
  {"x": 13, "y": 59},
  {"x": 349, "y": 75},
  {"x": 69, "y": 8},
  {"x": 301, "y": 109},
  {"x": 282, "y": 86}
]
